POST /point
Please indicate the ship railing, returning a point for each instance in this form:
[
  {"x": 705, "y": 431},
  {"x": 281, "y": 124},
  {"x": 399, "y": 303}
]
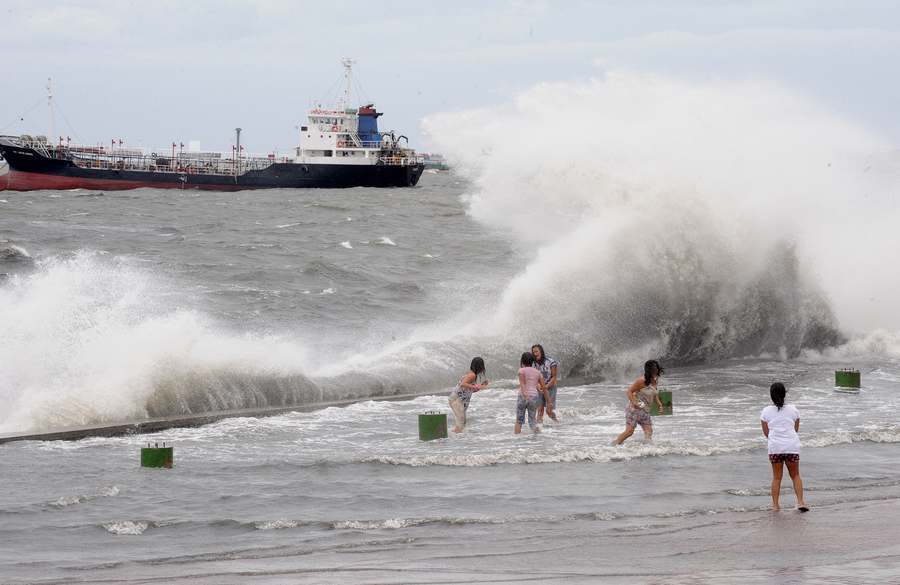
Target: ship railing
[
  {"x": 159, "y": 163},
  {"x": 401, "y": 160},
  {"x": 37, "y": 143}
]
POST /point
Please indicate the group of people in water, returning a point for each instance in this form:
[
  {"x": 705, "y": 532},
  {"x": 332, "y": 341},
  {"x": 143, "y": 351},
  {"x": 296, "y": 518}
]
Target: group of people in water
[
  {"x": 538, "y": 374},
  {"x": 537, "y": 389}
]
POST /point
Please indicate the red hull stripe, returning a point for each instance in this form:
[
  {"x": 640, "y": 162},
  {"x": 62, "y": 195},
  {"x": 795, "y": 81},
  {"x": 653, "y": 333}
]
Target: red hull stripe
[{"x": 23, "y": 181}]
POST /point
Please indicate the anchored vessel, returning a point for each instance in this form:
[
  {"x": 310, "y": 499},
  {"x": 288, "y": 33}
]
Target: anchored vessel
[{"x": 339, "y": 147}]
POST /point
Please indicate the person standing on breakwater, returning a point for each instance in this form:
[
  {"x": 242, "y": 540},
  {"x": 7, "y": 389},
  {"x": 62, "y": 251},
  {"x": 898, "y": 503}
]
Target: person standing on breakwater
[
  {"x": 530, "y": 380},
  {"x": 548, "y": 368},
  {"x": 780, "y": 424},
  {"x": 462, "y": 394},
  {"x": 641, "y": 394}
]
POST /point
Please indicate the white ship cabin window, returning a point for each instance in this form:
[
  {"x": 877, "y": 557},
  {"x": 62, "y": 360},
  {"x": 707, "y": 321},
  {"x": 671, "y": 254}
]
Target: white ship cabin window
[{"x": 303, "y": 128}]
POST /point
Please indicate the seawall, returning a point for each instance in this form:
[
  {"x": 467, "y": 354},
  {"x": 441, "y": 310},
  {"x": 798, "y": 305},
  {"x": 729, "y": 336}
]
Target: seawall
[{"x": 153, "y": 425}]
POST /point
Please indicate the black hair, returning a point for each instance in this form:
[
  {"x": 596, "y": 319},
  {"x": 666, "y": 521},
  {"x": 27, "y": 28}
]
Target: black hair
[
  {"x": 477, "y": 366},
  {"x": 648, "y": 370},
  {"x": 527, "y": 360},
  {"x": 543, "y": 353},
  {"x": 777, "y": 392}
]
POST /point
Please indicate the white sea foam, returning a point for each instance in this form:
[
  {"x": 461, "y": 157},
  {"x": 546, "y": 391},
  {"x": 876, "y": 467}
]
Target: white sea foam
[
  {"x": 347, "y": 245},
  {"x": 276, "y": 524},
  {"x": 695, "y": 208},
  {"x": 386, "y": 241},
  {"x": 392, "y": 523},
  {"x": 93, "y": 337},
  {"x": 874, "y": 343},
  {"x": 13, "y": 251},
  {"x": 396, "y": 523},
  {"x": 126, "y": 527},
  {"x": 634, "y": 449},
  {"x": 66, "y": 501}
]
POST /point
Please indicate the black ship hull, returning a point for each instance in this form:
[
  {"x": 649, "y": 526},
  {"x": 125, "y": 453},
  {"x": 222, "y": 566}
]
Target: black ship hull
[{"x": 29, "y": 170}]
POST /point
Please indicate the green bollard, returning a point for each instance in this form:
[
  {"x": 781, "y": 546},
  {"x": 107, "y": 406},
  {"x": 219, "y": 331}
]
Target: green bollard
[
  {"x": 157, "y": 456},
  {"x": 432, "y": 425},
  {"x": 847, "y": 378},
  {"x": 665, "y": 397}
]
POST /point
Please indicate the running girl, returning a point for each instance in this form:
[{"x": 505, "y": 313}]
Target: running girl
[{"x": 640, "y": 395}]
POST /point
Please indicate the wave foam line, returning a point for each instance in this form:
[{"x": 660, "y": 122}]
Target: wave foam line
[{"x": 624, "y": 453}]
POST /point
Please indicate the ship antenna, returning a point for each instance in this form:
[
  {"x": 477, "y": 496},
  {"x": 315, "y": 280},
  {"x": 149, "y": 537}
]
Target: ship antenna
[
  {"x": 348, "y": 82},
  {"x": 237, "y": 153},
  {"x": 50, "y": 108}
]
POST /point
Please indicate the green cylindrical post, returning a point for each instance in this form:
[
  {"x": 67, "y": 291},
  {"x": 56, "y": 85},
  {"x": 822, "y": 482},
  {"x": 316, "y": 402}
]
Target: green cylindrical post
[
  {"x": 665, "y": 396},
  {"x": 157, "y": 456},
  {"x": 432, "y": 425},
  {"x": 847, "y": 378}
]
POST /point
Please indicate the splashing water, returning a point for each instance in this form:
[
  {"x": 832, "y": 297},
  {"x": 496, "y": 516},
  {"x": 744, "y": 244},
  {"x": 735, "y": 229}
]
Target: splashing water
[
  {"x": 96, "y": 341},
  {"x": 653, "y": 217},
  {"x": 694, "y": 221}
]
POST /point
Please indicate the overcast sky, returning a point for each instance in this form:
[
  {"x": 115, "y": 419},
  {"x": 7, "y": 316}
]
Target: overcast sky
[{"x": 151, "y": 72}]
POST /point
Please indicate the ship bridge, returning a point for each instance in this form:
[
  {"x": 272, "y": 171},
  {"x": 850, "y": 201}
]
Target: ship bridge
[{"x": 343, "y": 134}]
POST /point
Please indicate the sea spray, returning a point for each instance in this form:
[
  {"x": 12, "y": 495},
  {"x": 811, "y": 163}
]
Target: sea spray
[
  {"x": 647, "y": 217},
  {"x": 95, "y": 340},
  {"x": 693, "y": 221}
]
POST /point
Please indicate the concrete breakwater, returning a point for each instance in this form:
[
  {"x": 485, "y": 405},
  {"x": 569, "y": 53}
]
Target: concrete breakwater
[{"x": 138, "y": 427}]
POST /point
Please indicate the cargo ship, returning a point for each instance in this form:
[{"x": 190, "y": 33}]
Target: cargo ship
[{"x": 338, "y": 147}]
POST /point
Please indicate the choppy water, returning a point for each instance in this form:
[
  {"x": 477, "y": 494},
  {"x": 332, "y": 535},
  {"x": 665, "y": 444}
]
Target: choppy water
[
  {"x": 193, "y": 301},
  {"x": 166, "y": 302},
  {"x": 349, "y": 495},
  {"x": 632, "y": 242}
]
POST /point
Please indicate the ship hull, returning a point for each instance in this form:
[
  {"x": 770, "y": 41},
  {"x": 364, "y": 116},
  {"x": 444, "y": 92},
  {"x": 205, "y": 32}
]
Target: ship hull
[{"x": 30, "y": 171}]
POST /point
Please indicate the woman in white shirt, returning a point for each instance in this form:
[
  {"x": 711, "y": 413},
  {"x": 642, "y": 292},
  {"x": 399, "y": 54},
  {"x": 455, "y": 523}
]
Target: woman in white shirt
[{"x": 780, "y": 424}]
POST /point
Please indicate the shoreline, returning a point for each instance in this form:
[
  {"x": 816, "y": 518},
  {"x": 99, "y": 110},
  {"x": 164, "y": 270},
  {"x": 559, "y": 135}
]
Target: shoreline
[{"x": 152, "y": 425}]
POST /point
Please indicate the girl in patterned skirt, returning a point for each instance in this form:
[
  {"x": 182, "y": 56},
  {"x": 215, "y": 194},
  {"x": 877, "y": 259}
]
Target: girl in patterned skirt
[
  {"x": 640, "y": 395},
  {"x": 780, "y": 424}
]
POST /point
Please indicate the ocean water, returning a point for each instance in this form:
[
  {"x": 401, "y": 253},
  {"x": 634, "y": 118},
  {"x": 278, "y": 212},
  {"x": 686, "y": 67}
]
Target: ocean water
[
  {"x": 350, "y": 495},
  {"x": 642, "y": 237}
]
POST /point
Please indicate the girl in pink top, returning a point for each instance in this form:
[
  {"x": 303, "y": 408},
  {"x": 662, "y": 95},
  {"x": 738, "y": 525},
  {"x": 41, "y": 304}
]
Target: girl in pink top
[{"x": 531, "y": 389}]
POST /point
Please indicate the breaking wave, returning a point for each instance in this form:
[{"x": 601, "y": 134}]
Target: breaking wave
[
  {"x": 659, "y": 218},
  {"x": 691, "y": 221},
  {"x": 94, "y": 340}
]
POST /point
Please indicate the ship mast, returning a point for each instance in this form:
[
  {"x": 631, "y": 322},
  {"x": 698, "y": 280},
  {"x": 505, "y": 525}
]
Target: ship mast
[
  {"x": 50, "y": 110},
  {"x": 237, "y": 153},
  {"x": 348, "y": 82}
]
